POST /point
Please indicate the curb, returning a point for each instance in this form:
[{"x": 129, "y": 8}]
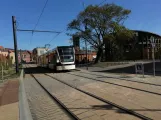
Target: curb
[{"x": 24, "y": 111}]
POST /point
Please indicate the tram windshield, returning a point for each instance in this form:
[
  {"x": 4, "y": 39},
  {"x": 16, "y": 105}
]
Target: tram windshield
[{"x": 66, "y": 54}]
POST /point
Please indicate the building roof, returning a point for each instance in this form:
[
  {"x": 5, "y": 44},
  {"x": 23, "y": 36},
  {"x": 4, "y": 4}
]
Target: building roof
[
  {"x": 1, "y": 47},
  {"x": 30, "y": 52},
  {"x": 10, "y": 51},
  {"x": 147, "y": 32}
]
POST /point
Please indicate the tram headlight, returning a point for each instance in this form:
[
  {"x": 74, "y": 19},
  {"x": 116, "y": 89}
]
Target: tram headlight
[{"x": 57, "y": 61}]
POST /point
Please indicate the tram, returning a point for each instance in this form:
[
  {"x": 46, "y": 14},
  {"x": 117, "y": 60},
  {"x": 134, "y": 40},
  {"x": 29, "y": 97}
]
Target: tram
[{"x": 60, "y": 58}]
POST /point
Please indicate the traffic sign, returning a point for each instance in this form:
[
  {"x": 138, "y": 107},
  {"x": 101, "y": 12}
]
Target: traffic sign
[{"x": 139, "y": 68}]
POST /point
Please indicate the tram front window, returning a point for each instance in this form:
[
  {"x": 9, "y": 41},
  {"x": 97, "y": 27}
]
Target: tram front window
[{"x": 66, "y": 54}]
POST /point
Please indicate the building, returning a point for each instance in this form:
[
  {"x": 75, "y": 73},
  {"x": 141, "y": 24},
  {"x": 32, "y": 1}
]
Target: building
[
  {"x": 12, "y": 55},
  {"x": 3, "y": 51},
  {"x": 80, "y": 56},
  {"x": 24, "y": 56},
  {"x": 37, "y": 52},
  {"x": 140, "y": 47},
  {"x": 144, "y": 45}
]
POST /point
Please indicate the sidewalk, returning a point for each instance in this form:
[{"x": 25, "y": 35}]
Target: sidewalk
[{"x": 9, "y": 100}]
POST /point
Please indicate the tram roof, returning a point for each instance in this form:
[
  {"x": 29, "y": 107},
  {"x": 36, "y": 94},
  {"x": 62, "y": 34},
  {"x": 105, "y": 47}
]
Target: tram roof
[{"x": 50, "y": 51}]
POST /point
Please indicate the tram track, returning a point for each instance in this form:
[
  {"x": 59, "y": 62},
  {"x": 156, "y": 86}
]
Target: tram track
[
  {"x": 128, "y": 111},
  {"x": 74, "y": 117},
  {"x": 68, "y": 112},
  {"x": 94, "y": 79},
  {"x": 133, "y": 81},
  {"x": 103, "y": 100}
]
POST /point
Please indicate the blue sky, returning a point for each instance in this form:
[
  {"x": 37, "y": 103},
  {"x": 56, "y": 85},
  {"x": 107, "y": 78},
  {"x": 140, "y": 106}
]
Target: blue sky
[{"x": 145, "y": 15}]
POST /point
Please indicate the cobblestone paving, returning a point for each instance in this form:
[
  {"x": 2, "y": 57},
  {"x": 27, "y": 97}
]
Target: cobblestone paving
[
  {"x": 41, "y": 105},
  {"x": 141, "y": 102},
  {"x": 84, "y": 106},
  {"x": 141, "y": 86},
  {"x": 131, "y": 77}
]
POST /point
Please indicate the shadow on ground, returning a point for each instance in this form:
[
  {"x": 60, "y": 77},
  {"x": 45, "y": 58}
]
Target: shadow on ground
[
  {"x": 37, "y": 70},
  {"x": 111, "y": 107},
  {"x": 148, "y": 69},
  {"x": 40, "y": 70}
]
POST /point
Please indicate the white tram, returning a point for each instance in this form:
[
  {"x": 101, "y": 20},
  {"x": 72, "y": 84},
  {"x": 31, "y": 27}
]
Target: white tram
[{"x": 60, "y": 58}]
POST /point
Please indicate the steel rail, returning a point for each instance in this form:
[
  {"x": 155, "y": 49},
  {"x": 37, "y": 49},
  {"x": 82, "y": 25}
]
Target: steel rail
[
  {"x": 104, "y": 100},
  {"x": 57, "y": 100},
  {"x": 73, "y": 116},
  {"x": 122, "y": 79},
  {"x": 150, "y": 92}
]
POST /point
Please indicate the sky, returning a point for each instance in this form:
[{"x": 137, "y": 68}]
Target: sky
[{"x": 145, "y": 16}]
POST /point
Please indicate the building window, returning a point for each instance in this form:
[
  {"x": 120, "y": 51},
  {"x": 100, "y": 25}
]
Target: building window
[
  {"x": 41, "y": 52},
  {"x": 24, "y": 56}
]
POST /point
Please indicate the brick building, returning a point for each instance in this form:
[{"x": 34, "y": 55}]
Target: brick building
[
  {"x": 80, "y": 56},
  {"x": 26, "y": 56},
  {"x": 4, "y": 51},
  {"x": 9, "y": 53}
]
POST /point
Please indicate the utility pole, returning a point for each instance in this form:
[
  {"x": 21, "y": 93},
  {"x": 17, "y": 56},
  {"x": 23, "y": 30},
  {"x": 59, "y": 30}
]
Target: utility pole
[{"x": 15, "y": 42}]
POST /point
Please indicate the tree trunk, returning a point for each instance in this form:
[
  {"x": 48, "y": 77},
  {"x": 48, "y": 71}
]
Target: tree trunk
[
  {"x": 108, "y": 51},
  {"x": 99, "y": 55}
]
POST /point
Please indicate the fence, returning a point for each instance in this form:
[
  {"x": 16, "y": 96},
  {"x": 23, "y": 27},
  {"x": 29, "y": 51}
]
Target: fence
[{"x": 6, "y": 67}]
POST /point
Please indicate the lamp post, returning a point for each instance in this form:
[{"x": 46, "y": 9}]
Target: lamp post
[{"x": 152, "y": 40}]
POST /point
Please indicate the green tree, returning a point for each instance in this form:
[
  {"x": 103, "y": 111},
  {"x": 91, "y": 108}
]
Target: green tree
[
  {"x": 118, "y": 42},
  {"x": 97, "y": 22}
]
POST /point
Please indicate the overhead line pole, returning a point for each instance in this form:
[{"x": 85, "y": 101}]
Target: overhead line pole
[
  {"x": 15, "y": 42},
  {"x": 15, "y": 38}
]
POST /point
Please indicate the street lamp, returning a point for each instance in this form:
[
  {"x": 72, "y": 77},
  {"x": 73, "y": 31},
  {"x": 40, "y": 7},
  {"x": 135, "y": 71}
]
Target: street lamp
[{"x": 152, "y": 40}]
